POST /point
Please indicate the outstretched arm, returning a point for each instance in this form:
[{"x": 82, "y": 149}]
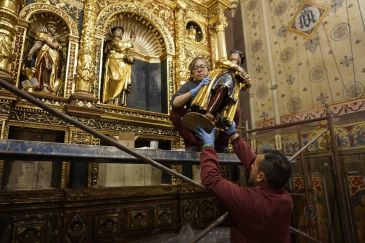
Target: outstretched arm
[
  {"x": 241, "y": 147},
  {"x": 231, "y": 195}
]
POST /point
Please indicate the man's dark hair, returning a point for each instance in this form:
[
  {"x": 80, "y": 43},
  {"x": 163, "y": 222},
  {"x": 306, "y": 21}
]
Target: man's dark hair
[{"x": 277, "y": 169}]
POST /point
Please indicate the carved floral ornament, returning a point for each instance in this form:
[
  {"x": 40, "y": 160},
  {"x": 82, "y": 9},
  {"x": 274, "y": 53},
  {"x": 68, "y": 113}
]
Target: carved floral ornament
[{"x": 32, "y": 9}]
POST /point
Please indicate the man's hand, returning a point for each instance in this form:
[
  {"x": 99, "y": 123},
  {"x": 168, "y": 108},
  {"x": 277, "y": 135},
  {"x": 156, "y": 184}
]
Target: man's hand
[
  {"x": 232, "y": 129},
  {"x": 207, "y": 138},
  {"x": 205, "y": 81}
]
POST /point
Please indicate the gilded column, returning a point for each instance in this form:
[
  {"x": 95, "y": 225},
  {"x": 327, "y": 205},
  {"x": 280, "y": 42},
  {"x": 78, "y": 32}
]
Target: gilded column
[
  {"x": 83, "y": 101},
  {"x": 8, "y": 22},
  {"x": 220, "y": 28},
  {"x": 180, "y": 11},
  {"x": 85, "y": 72}
]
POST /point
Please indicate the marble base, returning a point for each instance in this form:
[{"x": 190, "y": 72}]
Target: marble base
[{"x": 29, "y": 175}]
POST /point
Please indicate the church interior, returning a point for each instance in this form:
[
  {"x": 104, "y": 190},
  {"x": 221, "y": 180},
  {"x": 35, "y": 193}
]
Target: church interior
[{"x": 132, "y": 179}]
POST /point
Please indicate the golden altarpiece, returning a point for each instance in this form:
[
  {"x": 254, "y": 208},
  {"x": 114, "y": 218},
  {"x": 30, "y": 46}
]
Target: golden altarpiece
[{"x": 58, "y": 50}]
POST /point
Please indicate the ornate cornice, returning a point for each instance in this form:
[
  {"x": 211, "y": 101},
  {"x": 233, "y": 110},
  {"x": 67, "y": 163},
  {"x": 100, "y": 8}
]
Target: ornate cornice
[{"x": 146, "y": 123}]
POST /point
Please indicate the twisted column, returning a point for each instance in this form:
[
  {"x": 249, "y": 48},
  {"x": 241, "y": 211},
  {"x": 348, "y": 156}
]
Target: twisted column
[
  {"x": 86, "y": 62},
  {"x": 221, "y": 36},
  {"x": 180, "y": 11}
]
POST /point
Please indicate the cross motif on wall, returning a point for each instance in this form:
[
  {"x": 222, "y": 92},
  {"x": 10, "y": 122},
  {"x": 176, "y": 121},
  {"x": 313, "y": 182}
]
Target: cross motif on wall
[
  {"x": 254, "y": 24},
  {"x": 336, "y": 4},
  {"x": 346, "y": 61},
  {"x": 259, "y": 68},
  {"x": 322, "y": 98},
  {"x": 264, "y": 115},
  {"x": 283, "y": 31},
  {"x": 291, "y": 79}
]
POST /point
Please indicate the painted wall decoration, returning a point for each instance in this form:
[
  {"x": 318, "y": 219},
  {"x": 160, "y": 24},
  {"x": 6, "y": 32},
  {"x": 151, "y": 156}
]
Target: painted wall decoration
[
  {"x": 296, "y": 73},
  {"x": 356, "y": 183},
  {"x": 308, "y": 19},
  {"x": 312, "y": 216}
]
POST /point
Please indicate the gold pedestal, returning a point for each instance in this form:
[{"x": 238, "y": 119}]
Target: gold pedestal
[
  {"x": 194, "y": 120},
  {"x": 83, "y": 103}
]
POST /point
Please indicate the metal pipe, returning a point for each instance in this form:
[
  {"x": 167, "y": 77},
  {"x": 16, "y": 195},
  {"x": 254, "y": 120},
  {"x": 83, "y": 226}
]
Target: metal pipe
[
  {"x": 307, "y": 145},
  {"x": 304, "y": 235},
  {"x": 103, "y": 137},
  {"x": 210, "y": 227},
  {"x": 286, "y": 125},
  {"x": 338, "y": 174},
  {"x": 306, "y": 177}
]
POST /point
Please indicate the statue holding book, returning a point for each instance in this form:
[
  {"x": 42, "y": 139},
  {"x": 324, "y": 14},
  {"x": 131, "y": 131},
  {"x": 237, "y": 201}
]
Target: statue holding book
[{"x": 44, "y": 62}]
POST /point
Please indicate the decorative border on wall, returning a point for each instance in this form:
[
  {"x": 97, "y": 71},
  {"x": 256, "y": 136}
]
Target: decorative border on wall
[{"x": 336, "y": 109}]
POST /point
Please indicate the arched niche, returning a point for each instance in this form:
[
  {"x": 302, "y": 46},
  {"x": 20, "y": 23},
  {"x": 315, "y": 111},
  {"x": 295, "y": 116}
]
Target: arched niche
[
  {"x": 194, "y": 31},
  {"x": 152, "y": 72},
  {"x": 27, "y": 12},
  {"x": 26, "y": 26},
  {"x": 39, "y": 24}
]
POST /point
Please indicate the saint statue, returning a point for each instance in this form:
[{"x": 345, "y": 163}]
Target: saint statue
[
  {"x": 191, "y": 33},
  {"x": 118, "y": 69},
  {"x": 44, "y": 59},
  {"x": 216, "y": 104}
]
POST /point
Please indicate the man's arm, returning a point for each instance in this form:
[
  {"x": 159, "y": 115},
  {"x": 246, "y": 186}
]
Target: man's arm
[
  {"x": 243, "y": 151},
  {"x": 231, "y": 195}
]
